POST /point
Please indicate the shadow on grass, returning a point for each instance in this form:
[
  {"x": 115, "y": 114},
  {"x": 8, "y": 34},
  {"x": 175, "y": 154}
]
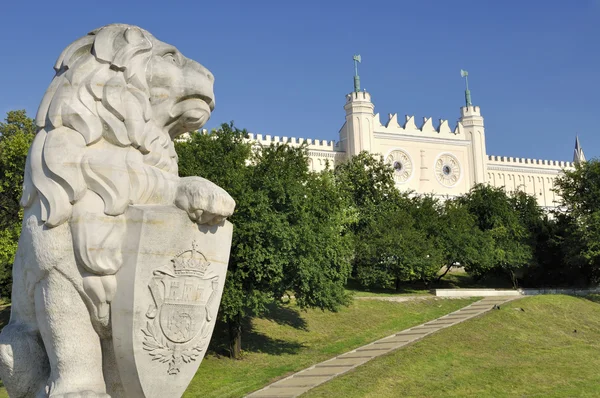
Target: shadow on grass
[
  {"x": 286, "y": 316},
  {"x": 595, "y": 298},
  {"x": 254, "y": 341}
]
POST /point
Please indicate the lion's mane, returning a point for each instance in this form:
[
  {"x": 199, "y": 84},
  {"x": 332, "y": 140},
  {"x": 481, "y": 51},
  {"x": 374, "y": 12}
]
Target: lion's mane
[{"x": 96, "y": 129}]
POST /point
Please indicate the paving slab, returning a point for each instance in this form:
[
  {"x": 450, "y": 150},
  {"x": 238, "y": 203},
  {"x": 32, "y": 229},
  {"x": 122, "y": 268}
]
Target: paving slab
[
  {"x": 320, "y": 373},
  {"x": 441, "y": 322},
  {"x": 359, "y": 355},
  {"x": 376, "y": 347},
  {"x": 288, "y": 392},
  {"x": 379, "y": 347},
  {"x": 301, "y": 382},
  {"x": 394, "y": 339},
  {"x": 341, "y": 362},
  {"x": 427, "y": 328},
  {"x": 411, "y": 333}
]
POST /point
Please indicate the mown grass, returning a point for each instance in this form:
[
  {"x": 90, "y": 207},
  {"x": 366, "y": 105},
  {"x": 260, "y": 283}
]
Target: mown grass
[
  {"x": 550, "y": 349},
  {"x": 288, "y": 339},
  {"x": 283, "y": 343}
]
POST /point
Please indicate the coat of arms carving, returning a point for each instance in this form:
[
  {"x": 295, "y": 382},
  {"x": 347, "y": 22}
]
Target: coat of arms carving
[{"x": 177, "y": 328}]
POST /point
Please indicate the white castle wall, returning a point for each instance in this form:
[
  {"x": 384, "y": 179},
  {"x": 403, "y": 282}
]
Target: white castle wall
[
  {"x": 424, "y": 144},
  {"x": 321, "y": 152},
  {"x": 533, "y": 176}
]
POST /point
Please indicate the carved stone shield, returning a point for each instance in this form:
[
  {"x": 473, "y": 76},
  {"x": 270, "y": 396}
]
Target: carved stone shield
[{"x": 168, "y": 295}]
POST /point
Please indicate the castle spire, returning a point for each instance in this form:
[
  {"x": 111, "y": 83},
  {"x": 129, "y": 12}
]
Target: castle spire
[
  {"x": 578, "y": 156},
  {"x": 357, "y": 60},
  {"x": 465, "y": 74}
]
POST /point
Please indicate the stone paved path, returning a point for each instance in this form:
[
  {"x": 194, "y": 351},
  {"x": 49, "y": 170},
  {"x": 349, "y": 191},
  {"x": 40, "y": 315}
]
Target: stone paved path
[{"x": 300, "y": 382}]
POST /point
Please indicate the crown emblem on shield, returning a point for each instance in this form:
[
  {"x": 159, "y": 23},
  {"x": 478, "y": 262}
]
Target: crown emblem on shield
[
  {"x": 178, "y": 320},
  {"x": 190, "y": 263}
]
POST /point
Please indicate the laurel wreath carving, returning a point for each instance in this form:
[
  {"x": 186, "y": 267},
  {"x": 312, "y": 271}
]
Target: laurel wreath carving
[{"x": 164, "y": 351}]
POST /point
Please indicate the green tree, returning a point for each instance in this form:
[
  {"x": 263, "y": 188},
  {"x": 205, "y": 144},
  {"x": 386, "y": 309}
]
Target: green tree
[
  {"x": 16, "y": 135},
  {"x": 365, "y": 179},
  {"x": 383, "y": 246},
  {"x": 463, "y": 243},
  {"x": 396, "y": 237},
  {"x": 289, "y": 233},
  {"x": 496, "y": 215},
  {"x": 367, "y": 185},
  {"x": 579, "y": 217}
]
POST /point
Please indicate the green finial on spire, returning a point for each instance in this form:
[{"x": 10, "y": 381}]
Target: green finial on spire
[
  {"x": 357, "y": 60},
  {"x": 465, "y": 74}
]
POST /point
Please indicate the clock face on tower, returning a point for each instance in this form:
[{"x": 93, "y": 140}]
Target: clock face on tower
[
  {"x": 447, "y": 170},
  {"x": 402, "y": 165}
]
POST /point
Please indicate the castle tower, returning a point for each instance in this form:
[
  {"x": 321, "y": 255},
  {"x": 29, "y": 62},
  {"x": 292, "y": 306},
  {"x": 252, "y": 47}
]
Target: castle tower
[
  {"x": 578, "y": 156},
  {"x": 357, "y": 133},
  {"x": 472, "y": 122}
]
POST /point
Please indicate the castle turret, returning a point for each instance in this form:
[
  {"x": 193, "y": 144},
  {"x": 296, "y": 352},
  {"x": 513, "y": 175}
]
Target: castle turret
[
  {"x": 472, "y": 122},
  {"x": 578, "y": 156},
  {"x": 357, "y": 133}
]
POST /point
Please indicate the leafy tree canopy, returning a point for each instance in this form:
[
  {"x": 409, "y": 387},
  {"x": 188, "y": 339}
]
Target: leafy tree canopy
[
  {"x": 16, "y": 135},
  {"x": 289, "y": 225}
]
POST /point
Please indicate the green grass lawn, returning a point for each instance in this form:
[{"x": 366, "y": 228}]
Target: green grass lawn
[
  {"x": 551, "y": 349},
  {"x": 287, "y": 340}
]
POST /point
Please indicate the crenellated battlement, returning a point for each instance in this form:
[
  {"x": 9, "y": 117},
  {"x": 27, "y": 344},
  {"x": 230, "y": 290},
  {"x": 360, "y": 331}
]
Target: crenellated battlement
[
  {"x": 471, "y": 110},
  {"x": 358, "y": 96},
  {"x": 511, "y": 161},
  {"x": 409, "y": 126},
  {"x": 267, "y": 139}
]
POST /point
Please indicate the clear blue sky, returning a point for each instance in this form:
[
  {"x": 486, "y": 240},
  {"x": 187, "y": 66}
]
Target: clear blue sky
[{"x": 284, "y": 67}]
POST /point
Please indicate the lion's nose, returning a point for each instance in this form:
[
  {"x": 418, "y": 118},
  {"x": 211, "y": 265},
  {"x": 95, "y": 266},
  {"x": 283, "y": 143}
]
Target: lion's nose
[
  {"x": 201, "y": 69},
  {"x": 210, "y": 76}
]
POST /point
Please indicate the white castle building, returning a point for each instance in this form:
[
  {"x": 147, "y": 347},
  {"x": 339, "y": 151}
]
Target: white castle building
[{"x": 431, "y": 159}]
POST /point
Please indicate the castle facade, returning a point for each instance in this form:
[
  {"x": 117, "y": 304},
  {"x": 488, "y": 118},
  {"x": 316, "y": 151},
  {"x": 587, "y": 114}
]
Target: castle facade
[{"x": 430, "y": 159}]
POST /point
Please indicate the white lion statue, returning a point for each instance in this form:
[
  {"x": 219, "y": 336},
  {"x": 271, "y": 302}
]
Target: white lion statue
[{"x": 105, "y": 141}]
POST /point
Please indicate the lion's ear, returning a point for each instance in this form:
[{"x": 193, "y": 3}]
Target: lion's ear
[
  {"x": 136, "y": 43},
  {"x": 104, "y": 43},
  {"x": 118, "y": 46}
]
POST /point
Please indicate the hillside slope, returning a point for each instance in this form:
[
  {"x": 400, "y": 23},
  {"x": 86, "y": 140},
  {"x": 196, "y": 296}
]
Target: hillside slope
[{"x": 543, "y": 346}]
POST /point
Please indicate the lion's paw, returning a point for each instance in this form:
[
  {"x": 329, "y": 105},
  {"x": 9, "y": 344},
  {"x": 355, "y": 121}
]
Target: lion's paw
[{"x": 205, "y": 202}]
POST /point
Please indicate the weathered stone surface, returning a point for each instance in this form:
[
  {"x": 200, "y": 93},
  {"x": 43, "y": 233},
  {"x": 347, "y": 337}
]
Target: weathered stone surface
[{"x": 112, "y": 237}]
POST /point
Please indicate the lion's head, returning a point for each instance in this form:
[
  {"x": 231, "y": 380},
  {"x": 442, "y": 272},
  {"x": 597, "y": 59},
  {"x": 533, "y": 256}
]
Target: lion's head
[{"x": 119, "y": 87}]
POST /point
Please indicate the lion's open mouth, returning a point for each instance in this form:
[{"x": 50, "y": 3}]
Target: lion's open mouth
[
  {"x": 209, "y": 100},
  {"x": 189, "y": 114}
]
